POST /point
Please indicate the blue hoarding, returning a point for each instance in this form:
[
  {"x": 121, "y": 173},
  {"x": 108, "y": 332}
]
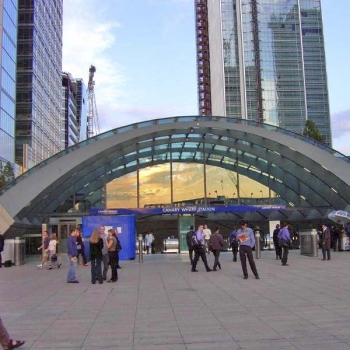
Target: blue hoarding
[{"x": 125, "y": 224}]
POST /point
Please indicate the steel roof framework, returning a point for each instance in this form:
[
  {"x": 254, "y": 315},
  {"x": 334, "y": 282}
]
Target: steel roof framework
[{"x": 301, "y": 171}]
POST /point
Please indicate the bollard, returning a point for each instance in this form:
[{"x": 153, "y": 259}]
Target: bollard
[
  {"x": 257, "y": 244},
  {"x": 140, "y": 239}
]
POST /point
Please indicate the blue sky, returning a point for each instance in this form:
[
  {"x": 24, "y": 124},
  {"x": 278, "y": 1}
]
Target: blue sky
[{"x": 145, "y": 57}]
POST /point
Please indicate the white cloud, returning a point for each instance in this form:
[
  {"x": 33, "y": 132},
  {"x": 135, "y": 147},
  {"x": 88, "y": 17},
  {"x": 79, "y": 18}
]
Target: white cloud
[{"x": 88, "y": 39}]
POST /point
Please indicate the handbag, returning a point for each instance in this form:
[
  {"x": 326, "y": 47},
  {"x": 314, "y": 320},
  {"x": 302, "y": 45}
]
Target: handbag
[{"x": 54, "y": 257}]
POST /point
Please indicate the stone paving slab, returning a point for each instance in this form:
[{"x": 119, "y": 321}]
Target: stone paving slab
[{"x": 161, "y": 305}]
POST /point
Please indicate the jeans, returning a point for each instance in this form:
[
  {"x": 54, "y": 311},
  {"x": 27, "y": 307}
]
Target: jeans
[
  {"x": 105, "y": 259},
  {"x": 96, "y": 270},
  {"x": 72, "y": 268},
  {"x": 113, "y": 263}
]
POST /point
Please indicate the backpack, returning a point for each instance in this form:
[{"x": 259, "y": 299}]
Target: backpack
[
  {"x": 232, "y": 239},
  {"x": 194, "y": 241}
]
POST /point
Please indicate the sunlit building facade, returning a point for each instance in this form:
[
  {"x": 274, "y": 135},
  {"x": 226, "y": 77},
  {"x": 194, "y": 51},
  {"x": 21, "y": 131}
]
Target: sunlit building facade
[
  {"x": 82, "y": 108},
  {"x": 8, "y": 44},
  {"x": 39, "y": 67},
  {"x": 263, "y": 60}
]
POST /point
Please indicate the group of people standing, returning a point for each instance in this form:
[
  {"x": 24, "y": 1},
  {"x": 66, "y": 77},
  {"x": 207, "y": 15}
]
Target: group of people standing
[{"x": 104, "y": 249}]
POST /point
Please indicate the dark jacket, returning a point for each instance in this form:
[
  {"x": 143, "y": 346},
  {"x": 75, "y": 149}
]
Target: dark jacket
[
  {"x": 80, "y": 243},
  {"x": 326, "y": 242},
  {"x": 72, "y": 246},
  {"x": 189, "y": 235},
  {"x": 216, "y": 241},
  {"x": 96, "y": 249},
  {"x": 275, "y": 235}
]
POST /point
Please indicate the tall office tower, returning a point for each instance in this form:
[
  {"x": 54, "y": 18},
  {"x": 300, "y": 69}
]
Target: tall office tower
[
  {"x": 8, "y": 46},
  {"x": 39, "y": 67},
  {"x": 69, "y": 119},
  {"x": 263, "y": 60},
  {"x": 82, "y": 108}
]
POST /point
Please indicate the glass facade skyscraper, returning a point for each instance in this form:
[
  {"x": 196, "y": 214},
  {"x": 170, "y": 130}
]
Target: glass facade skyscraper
[
  {"x": 265, "y": 61},
  {"x": 8, "y": 40},
  {"x": 82, "y": 108},
  {"x": 39, "y": 82}
]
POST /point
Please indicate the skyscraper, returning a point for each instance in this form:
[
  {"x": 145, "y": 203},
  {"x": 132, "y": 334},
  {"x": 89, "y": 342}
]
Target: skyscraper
[
  {"x": 74, "y": 111},
  {"x": 69, "y": 122},
  {"x": 39, "y": 68},
  {"x": 263, "y": 60},
  {"x": 8, "y": 46},
  {"x": 82, "y": 108}
]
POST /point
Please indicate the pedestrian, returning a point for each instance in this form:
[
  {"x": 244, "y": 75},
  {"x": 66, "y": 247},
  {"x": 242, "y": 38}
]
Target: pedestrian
[
  {"x": 326, "y": 242},
  {"x": 45, "y": 249},
  {"x": 72, "y": 252},
  {"x": 96, "y": 246},
  {"x": 2, "y": 245},
  {"x": 147, "y": 244},
  {"x": 151, "y": 240},
  {"x": 53, "y": 257},
  {"x": 105, "y": 255},
  {"x": 336, "y": 235},
  {"x": 111, "y": 245},
  {"x": 284, "y": 242},
  {"x": 81, "y": 248},
  {"x": 216, "y": 242},
  {"x": 278, "y": 250},
  {"x": 118, "y": 248},
  {"x": 233, "y": 243},
  {"x": 245, "y": 236},
  {"x": 189, "y": 235},
  {"x": 199, "y": 250},
  {"x": 6, "y": 342},
  {"x": 207, "y": 234}
]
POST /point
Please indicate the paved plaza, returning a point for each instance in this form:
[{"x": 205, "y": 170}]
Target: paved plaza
[{"x": 161, "y": 305}]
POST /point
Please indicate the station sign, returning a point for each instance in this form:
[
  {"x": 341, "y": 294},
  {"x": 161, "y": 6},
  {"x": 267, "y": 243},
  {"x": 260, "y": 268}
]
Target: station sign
[{"x": 185, "y": 210}]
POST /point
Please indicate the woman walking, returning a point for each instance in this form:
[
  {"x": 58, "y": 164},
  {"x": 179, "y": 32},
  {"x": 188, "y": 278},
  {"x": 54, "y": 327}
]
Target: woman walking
[
  {"x": 96, "y": 245},
  {"x": 112, "y": 245},
  {"x": 53, "y": 257}
]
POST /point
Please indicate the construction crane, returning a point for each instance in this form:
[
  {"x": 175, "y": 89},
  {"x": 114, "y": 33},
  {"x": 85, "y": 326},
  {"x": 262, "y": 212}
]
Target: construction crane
[{"x": 93, "y": 123}]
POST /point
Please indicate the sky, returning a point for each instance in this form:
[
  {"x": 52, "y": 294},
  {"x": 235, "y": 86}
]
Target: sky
[{"x": 145, "y": 57}]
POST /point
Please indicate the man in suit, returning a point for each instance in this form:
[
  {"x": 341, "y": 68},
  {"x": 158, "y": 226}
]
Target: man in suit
[
  {"x": 216, "y": 242},
  {"x": 326, "y": 242}
]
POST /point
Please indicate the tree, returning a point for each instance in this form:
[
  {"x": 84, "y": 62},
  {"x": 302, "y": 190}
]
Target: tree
[
  {"x": 311, "y": 130},
  {"x": 7, "y": 174}
]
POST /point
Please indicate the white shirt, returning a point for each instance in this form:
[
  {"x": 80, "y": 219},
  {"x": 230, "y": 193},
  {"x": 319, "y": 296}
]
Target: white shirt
[
  {"x": 207, "y": 233},
  {"x": 52, "y": 245}
]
